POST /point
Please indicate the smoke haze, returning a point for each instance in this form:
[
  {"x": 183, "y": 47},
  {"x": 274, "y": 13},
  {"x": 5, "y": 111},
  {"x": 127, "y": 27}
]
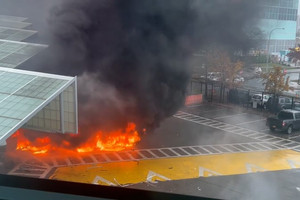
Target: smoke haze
[{"x": 132, "y": 57}]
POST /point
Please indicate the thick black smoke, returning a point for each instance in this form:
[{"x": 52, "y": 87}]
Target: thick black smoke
[{"x": 132, "y": 56}]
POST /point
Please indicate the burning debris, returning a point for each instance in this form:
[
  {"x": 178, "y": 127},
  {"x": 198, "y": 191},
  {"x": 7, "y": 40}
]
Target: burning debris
[
  {"x": 132, "y": 58},
  {"x": 37, "y": 144}
]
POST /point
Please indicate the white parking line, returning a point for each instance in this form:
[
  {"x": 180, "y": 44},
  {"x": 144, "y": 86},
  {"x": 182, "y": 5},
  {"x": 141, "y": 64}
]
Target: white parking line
[
  {"x": 207, "y": 111},
  {"x": 246, "y": 132},
  {"x": 230, "y": 116},
  {"x": 293, "y": 137},
  {"x": 249, "y": 122}
]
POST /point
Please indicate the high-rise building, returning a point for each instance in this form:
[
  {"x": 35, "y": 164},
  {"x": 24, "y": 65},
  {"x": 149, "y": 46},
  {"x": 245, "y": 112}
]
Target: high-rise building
[
  {"x": 298, "y": 30},
  {"x": 278, "y": 24}
]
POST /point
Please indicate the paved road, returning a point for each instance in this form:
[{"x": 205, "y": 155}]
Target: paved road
[
  {"x": 268, "y": 185},
  {"x": 199, "y": 141}
]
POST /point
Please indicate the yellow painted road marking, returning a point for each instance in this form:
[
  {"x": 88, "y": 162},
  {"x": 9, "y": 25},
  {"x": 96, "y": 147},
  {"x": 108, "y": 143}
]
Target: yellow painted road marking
[{"x": 120, "y": 173}]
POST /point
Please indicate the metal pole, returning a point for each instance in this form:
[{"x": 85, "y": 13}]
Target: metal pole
[
  {"x": 76, "y": 105},
  {"x": 220, "y": 94},
  {"x": 61, "y": 108},
  {"x": 212, "y": 91},
  {"x": 268, "y": 45},
  {"x": 248, "y": 98},
  {"x": 201, "y": 87},
  {"x": 205, "y": 81},
  {"x": 262, "y": 101}
]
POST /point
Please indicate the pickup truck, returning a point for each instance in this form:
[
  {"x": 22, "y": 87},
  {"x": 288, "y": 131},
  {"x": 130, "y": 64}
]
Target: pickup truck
[{"x": 286, "y": 120}]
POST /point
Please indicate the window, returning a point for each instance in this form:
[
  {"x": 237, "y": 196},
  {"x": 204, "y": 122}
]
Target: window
[
  {"x": 297, "y": 115},
  {"x": 287, "y": 101},
  {"x": 285, "y": 115},
  {"x": 257, "y": 97},
  {"x": 279, "y": 13}
]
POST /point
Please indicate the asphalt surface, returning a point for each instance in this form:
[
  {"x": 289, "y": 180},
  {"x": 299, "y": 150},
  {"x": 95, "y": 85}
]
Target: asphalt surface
[
  {"x": 177, "y": 132},
  {"x": 228, "y": 136},
  {"x": 268, "y": 185},
  {"x": 250, "y": 118},
  {"x": 212, "y": 128}
]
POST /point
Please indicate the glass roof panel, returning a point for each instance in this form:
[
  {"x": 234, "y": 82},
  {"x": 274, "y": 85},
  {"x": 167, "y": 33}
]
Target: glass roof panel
[
  {"x": 25, "y": 93},
  {"x": 14, "y": 24},
  {"x": 12, "y": 54},
  {"x": 12, "y": 18},
  {"x": 15, "y": 34}
]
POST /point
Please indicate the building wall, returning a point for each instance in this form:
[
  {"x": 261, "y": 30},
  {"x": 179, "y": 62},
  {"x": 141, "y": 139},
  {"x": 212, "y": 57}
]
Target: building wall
[
  {"x": 298, "y": 30},
  {"x": 279, "y": 14}
]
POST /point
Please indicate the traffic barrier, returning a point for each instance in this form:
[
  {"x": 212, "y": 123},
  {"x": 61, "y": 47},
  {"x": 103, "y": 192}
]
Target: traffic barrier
[{"x": 193, "y": 99}]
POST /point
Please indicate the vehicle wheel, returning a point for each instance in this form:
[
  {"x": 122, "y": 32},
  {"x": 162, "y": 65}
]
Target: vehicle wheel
[
  {"x": 272, "y": 129},
  {"x": 290, "y": 129}
]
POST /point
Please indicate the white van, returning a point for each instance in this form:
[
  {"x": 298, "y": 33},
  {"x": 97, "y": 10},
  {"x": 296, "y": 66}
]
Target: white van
[{"x": 261, "y": 101}]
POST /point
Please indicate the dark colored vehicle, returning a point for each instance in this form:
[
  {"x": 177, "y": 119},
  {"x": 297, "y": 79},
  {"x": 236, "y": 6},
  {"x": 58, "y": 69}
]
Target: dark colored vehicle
[
  {"x": 286, "y": 120},
  {"x": 278, "y": 104}
]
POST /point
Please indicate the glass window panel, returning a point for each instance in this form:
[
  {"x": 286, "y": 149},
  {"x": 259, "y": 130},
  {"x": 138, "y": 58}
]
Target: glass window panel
[
  {"x": 14, "y": 24},
  {"x": 13, "y": 54},
  {"x": 21, "y": 94}
]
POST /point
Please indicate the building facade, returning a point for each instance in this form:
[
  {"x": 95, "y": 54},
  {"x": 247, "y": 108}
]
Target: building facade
[{"x": 278, "y": 24}]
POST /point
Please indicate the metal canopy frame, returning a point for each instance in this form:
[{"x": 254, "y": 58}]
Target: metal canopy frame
[
  {"x": 13, "y": 18},
  {"x": 67, "y": 81}
]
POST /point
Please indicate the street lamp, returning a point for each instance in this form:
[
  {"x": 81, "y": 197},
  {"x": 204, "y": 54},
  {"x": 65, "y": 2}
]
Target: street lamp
[{"x": 268, "y": 45}]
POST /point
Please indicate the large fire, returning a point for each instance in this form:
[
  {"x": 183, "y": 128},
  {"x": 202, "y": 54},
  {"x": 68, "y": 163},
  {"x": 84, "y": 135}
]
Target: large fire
[{"x": 118, "y": 140}]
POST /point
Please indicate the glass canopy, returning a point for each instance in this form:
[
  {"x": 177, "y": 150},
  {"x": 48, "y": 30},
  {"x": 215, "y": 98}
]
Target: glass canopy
[
  {"x": 15, "y": 34},
  {"x": 23, "y": 94},
  {"x": 14, "y": 53}
]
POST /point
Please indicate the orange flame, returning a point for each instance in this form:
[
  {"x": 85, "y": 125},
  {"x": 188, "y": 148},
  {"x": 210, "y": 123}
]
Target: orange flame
[{"x": 113, "y": 141}]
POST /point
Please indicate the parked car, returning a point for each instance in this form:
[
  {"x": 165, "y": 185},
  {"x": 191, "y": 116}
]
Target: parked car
[
  {"x": 239, "y": 79},
  {"x": 279, "y": 103},
  {"x": 260, "y": 100},
  {"x": 214, "y": 76},
  {"x": 257, "y": 70},
  {"x": 294, "y": 85},
  {"x": 286, "y": 120}
]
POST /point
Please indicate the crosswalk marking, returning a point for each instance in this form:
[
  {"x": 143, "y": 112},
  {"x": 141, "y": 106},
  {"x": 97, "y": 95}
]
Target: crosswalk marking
[
  {"x": 39, "y": 167},
  {"x": 165, "y": 169},
  {"x": 36, "y": 167},
  {"x": 260, "y": 136},
  {"x": 207, "y": 172}
]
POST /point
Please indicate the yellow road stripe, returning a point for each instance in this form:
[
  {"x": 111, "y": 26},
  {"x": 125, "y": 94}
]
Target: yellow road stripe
[{"x": 121, "y": 173}]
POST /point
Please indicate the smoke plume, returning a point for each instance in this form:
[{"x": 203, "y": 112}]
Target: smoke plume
[{"x": 132, "y": 57}]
